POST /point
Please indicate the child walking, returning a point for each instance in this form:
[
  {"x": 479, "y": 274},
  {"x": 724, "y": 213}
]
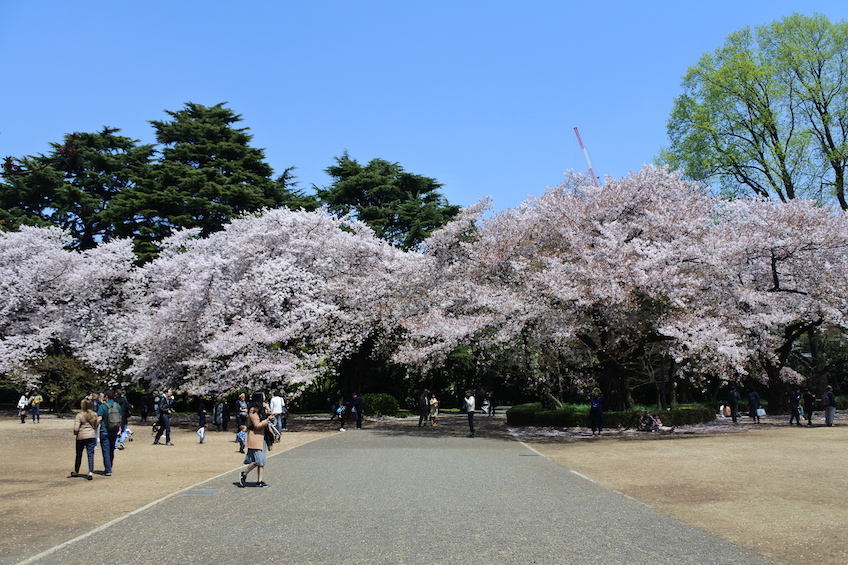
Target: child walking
[{"x": 241, "y": 437}]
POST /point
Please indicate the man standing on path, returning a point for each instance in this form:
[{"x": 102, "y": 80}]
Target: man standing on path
[
  {"x": 469, "y": 409},
  {"x": 358, "y": 407},
  {"x": 166, "y": 407},
  {"x": 109, "y": 418}
]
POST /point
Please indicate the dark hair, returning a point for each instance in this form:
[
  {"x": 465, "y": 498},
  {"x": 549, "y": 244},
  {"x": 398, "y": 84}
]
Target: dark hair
[{"x": 257, "y": 401}]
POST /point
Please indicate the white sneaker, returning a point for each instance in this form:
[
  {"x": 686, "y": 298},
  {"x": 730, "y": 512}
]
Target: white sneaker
[{"x": 342, "y": 430}]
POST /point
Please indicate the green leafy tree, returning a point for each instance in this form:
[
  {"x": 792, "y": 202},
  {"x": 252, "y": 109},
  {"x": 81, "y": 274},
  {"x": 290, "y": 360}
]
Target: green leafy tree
[
  {"x": 74, "y": 185},
  {"x": 207, "y": 174},
  {"x": 767, "y": 112},
  {"x": 400, "y": 207}
]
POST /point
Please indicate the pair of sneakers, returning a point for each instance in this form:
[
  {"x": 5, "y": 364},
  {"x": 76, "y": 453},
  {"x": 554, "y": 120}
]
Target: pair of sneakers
[{"x": 243, "y": 481}]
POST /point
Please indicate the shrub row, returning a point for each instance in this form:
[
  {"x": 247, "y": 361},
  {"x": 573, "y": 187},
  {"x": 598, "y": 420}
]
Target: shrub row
[{"x": 578, "y": 416}]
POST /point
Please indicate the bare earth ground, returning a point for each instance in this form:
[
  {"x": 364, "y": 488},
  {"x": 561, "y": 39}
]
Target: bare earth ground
[
  {"x": 774, "y": 489},
  {"x": 41, "y": 505},
  {"x": 777, "y": 490}
]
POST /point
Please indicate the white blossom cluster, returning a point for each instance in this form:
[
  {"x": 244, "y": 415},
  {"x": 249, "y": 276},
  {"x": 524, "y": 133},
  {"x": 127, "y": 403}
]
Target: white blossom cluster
[{"x": 592, "y": 275}]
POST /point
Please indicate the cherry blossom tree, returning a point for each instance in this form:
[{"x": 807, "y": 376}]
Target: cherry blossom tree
[
  {"x": 55, "y": 298},
  {"x": 586, "y": 280},
  {"x": 784, "y": 268},
  {"x": 275, "y": 298}
]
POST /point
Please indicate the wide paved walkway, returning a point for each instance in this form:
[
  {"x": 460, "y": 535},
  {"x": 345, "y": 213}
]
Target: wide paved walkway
[{"x": 398, "y": 494}]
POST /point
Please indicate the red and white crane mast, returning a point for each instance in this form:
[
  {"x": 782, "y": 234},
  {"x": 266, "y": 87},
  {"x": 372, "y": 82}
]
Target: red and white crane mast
[{"x": 586, "y": 155}]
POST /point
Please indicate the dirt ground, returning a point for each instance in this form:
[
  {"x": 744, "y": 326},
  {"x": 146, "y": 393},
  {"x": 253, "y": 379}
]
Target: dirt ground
[
  {"x": 41, "y": 505},
  {"x": 775, "y": 489},
  {"x": 772, "y": 488}
]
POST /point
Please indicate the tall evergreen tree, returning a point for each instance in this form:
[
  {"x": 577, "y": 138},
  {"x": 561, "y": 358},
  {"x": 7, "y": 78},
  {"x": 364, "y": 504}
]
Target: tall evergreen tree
[
  {"x": 73, "y": 186},
  {"x": 400, "y": 207},
  {"x": 206, "y": 175}
]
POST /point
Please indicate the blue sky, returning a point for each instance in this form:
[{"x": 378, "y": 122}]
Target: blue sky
[{"x": 483, "y": 96}]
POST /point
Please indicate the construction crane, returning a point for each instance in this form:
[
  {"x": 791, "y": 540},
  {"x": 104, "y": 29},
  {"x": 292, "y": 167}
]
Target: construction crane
[{"x": 586, "y": 155}]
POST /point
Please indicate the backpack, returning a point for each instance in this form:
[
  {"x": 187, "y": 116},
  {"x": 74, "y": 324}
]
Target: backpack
[
  {"x": 825, "y": 401},
  {"x": 113, "y": 417}
]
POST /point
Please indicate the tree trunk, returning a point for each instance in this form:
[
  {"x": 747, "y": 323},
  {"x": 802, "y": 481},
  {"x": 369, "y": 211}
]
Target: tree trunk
[
  {"x": 776, "y": 391},
  {"x": 613, "y": 385}
]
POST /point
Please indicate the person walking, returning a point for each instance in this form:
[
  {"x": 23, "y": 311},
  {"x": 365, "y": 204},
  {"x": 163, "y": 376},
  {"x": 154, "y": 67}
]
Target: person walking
[
  {"x": 754, "y": 406},
  {"x": 126, "y": 407},
  {"x": 258, "y": 417},
  {"x": 201, "y": 420},
  {"x": 794, "y": 406},
  {"x": 423, "y": 407},
  {"x": 733, "y": 398},
  {"x": 166, "y": 408},
  {"x": 109, "y": 418},
  {"x": 242, "y": 408},
  {"x": 809, "y": 406},
  {"x": 470, "y": 407},
  {"x": 829, "y": 404},
  {"x": 85, "y": 431},
  {"x": 596, "y": 411}
]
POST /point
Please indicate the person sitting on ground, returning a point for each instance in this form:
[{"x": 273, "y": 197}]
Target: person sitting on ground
[
  {"x": 658, "y": 425},
  {"x": 646, "y": 422}
]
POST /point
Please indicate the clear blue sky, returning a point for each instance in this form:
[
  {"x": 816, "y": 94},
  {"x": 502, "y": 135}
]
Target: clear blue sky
[{"x": 481, "y": 95}]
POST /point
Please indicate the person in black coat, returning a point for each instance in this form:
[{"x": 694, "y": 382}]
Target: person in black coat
[
  {"x": 754, "y": 406},
  {"x": 358, "y": 407},
  {"x": 733, "y": 398},
  {"x": 809, "y": 405}
]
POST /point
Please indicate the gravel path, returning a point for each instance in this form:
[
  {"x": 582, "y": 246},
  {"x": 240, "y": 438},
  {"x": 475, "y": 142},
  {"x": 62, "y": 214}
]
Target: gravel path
[{"x": 398, "y": 494}]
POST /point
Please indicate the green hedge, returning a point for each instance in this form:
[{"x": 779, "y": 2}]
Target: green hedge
[
  {"x": 380, "y": 404},
  {"x": 571, "y": 416}
]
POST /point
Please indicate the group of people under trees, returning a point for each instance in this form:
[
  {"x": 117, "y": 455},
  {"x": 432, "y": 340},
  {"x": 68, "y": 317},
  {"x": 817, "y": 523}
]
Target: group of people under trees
[
  {"x": 428, "y": 408},
  {"x": 103, "y": 419},
  {"x": 354, "y": 409},
  {"x": 30, "y": 400},
  {"x": 799, "y": 402}
]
